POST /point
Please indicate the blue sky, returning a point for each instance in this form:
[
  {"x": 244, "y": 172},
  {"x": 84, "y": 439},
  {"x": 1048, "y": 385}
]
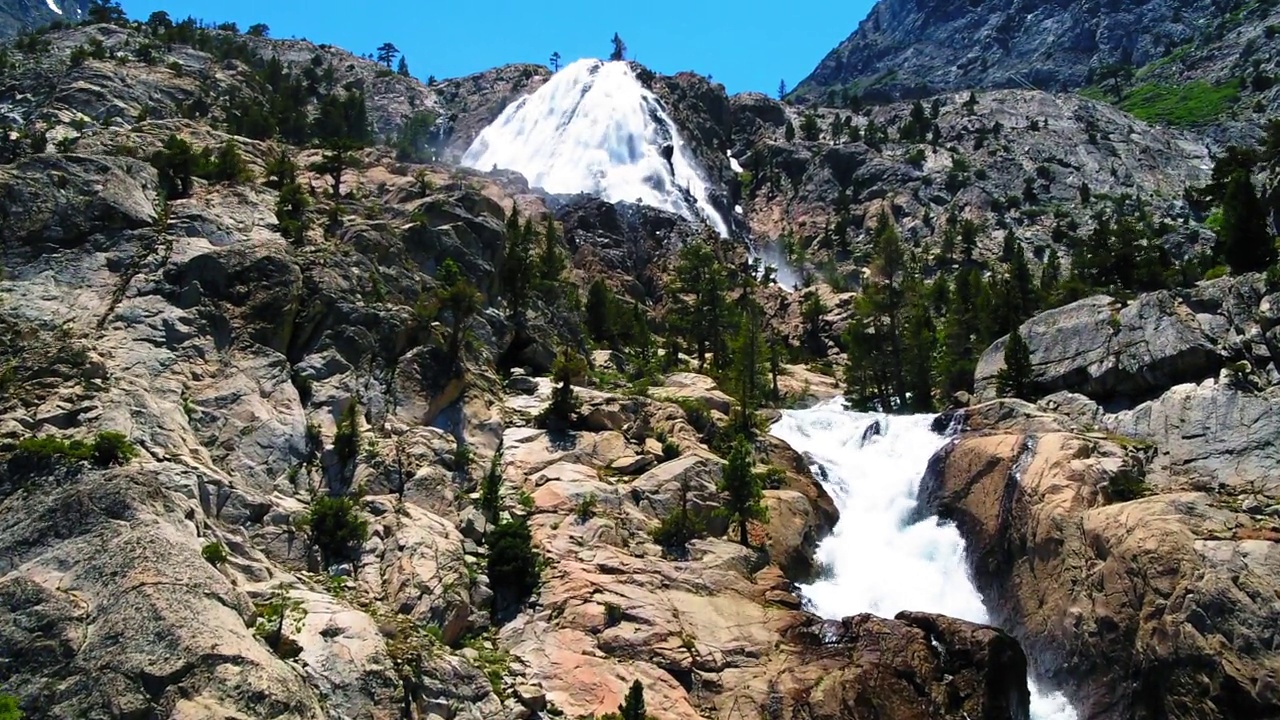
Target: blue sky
[{"x": 747, "y": 44}]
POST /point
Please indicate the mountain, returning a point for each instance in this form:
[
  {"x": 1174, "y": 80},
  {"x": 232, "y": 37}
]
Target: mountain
[
  {"x": 17, "y": 16},
  {"x": 917, "y": 48}
]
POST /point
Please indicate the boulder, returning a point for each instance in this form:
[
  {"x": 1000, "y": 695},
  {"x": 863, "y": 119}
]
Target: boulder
[{"x": 1163, "y": 606}]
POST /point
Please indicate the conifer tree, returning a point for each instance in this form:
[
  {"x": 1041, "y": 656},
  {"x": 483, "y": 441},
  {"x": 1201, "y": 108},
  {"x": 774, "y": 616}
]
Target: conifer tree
[
  {"x": 554, "y": 62},
  {"x": 1243, "y": 240},
  {"x": 336, "y": 160},
  {"x": 387, "y": 53},
  {"x": 619, "y": 49},
  {"x": 1050, "y": 275},
  {"x": 742, "y": 489},
  {"x": 601, "y": 313},
  {"x": 403, "y": 68},
  {"x": 747, "y": 371},
  {"x": 517, "y": 265},
  {"x": 459, "y": 299},
  {"x": 1014, "y": 379},
  {"x": 789, "y": 132},
  {"x": 701, "y": 311},
  {"x": 551, "y": 265},
  {"x": 632, "y": 707}
]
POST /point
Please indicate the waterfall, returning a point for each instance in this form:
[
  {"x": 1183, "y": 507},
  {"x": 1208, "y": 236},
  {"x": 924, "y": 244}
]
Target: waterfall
[
  {"x": 594, "y": 128},
  {"x": 877, "y": 560}
]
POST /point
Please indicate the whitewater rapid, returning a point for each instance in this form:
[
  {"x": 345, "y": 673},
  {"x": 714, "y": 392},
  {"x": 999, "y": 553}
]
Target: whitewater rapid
[
  {"x": 877, "y": 561},
  {"x": 594, "y": 128}
]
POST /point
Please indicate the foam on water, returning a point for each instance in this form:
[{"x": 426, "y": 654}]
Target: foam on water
[
  {"x": 594, "y": 128},
  {"x": 878, "y": 561}
]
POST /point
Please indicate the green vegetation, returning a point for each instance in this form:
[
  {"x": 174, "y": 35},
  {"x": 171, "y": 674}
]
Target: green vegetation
[
  {"x": 741, "y": 486},
  {"x": 1126, "y": 485},
  {"x": 1187, "y": 105},
  {"x": 512, "y": 564},
  {"x": 632, "y": 707},
  {"x": 491, "y": 489},
  {"x": 335, "y": 527},
  {"x": 1014, "y": 379},
  {"x": 586, "y": 507},
  {"x": 9, "y": 708},
  {"x": 680, "y": 526},
  {"x": 346, "y": 437},
  {"x": 107, "y": 449},
  {"x": 561, "y": 413},
  {"x": 214, "y": 553},
  {"x": 273, "y": 615}
]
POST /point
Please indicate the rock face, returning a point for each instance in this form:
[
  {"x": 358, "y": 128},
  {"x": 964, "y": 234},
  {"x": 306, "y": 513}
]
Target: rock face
[
  {"x": 921, "y": 47},
  {"x": 1163, "y": 606},
  {"x": 1192, "y": 372},
  {"x": 827, "y": 189},
  {"x": 18, "y": 16}
]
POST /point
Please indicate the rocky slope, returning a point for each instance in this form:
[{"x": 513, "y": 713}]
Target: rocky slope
[
  {"x": 1015, "y": 162},
  {"x": 18, "y": 16},
  {"x": 260, "y": 378},
  {"x": 910, "y": 47}
]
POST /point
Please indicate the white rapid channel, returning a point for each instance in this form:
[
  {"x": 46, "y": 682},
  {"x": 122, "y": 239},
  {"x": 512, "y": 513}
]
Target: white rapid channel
[
  {"x": 876, "y": 560},
  {"x": 594, "y": 128}
]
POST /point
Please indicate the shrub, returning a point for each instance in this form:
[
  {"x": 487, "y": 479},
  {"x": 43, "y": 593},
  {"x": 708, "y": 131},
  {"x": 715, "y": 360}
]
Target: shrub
[
  {"x": 1127, "y": 485},
  {"x": 229, "y": 165},
  {"x": 108, "y": 448},
  {"x": 335, "y": 527},
  {"x": 1219, "y": 271},
  {"x": 112, "y": 448},
  {"x": 346, "y": 438},
  {"x": 512, "y": 563},
  {"x": 586, "y": 508},
  {"x": 9, "y": 709},
  {"x": 215, "y": 553}
]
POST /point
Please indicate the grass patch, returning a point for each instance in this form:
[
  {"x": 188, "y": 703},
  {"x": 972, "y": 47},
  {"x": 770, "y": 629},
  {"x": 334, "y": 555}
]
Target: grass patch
[{"x": 1190, "y": 104}]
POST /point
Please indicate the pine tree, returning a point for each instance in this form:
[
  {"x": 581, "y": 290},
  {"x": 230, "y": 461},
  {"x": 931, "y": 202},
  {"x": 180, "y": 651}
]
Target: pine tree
[
  {"x": 1014, "y": 379},
  {"x": 551, "y": 265},
  {"x": 554, "y": 62},
  {"x": 1050, "y": 275},
  {"x": 809, "y": 129},
  {"x": 789, "y": 132},
  {"x": 619, "y": 49},
  {"x": 782, "y": 89},
  {"x": 387, "y": 53},
  {"x": 459, "y": 299},
  {"x": 336, "y": 160},
  {"x": 747, "y": 371},
  {"x": 403, "y": 68},
  {"x": 700, "y": 303},
  {"x": 632, "y": 707},
  {"x": 517, "y": 266},
  {"x": 742, "y": 489},
  {"x": 1243, "y": 240},
  {"x": 812, "y": 311},
  {"x": 177, "y": 163},
  {"x": 600, "y": 319}
]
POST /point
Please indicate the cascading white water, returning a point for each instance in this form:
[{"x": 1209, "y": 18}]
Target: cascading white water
[
  {"x": 877, "y": 560},
  {"x": 594, "y": 128}
]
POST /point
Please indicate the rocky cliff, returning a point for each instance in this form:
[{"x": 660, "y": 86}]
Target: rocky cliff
[
  {"x": 922, "y": 47},
  {"x": 1125, "y": 527}
]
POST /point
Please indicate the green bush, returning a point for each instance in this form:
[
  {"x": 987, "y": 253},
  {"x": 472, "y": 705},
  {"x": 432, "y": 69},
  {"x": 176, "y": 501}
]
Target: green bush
[
  {"x": 586, "y": 508},
  {"x": 346, "y": 438},
  {"x": 1219, "y": 271},
  {"x": 1127, "y": 485},
  {"x": 335, "y": 527},
  {"x": 215, "y": 553},
  {"x": 9, "y": 709},
  {"x": 108, "y": 448}
]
